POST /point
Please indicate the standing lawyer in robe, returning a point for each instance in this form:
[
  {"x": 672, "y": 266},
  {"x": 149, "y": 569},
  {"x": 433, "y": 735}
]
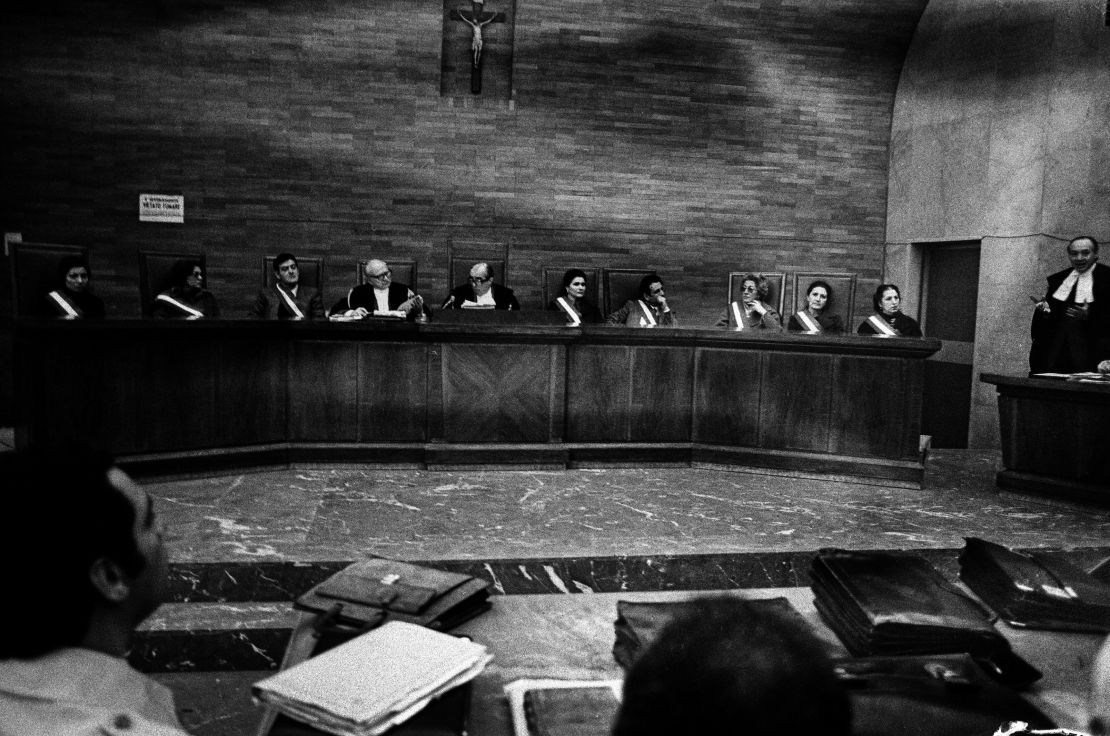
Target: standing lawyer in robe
[
  {"x": 1071, "y": 322},
  {"x": 481, "y": 293},
  {"x": 650, "y": 310},
  {"x": 287, "y": 299},
  {"x": 751, "y": 312},
  {"x": 73, "y": 299},
  {"x": 186, "y": 298},
  {"x": 380, "y": 293},
  {"x": 888, "y": 320}
]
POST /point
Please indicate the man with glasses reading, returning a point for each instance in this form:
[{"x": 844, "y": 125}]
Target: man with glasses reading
[
  {"x": 379, "y": 295},
  {"x": 481, "y": 293},
  {"x": 650, "y": 310}
]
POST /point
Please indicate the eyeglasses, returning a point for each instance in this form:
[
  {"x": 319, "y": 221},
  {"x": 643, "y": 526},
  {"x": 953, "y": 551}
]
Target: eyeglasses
[
  {"x": 475, "y": 280},
  {"x": 197, "y": 273},
  {"x": 382, "y": 275},
  {"x": 749, "y": 287}
]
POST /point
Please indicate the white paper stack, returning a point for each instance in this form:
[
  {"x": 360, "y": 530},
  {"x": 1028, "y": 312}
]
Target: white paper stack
[{"x": 375, "y": 681}]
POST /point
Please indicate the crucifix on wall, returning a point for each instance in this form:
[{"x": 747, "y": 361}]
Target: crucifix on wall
[{"x": 486, "y": 52}]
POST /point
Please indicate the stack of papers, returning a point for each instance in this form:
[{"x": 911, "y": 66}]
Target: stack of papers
[{"x": 375, "y": 681}]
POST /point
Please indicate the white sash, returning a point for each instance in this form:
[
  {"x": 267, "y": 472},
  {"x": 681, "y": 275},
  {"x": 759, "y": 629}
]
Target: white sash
[
  {"x": 69, "y": 309},
  {"x": 809, "y": 322},
  {"x": 881, "y": 326},
  {"x": 195, "y": 313},
  {"x": 290, "y": 303},
  {"x": 575, "y": 320},
  {"x": 647, "y": 312},
  {"x": 738, "y": 315}
]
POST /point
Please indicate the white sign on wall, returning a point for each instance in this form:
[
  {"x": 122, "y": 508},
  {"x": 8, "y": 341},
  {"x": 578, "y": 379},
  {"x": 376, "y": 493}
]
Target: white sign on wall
[{"x": 161, "y": 208}]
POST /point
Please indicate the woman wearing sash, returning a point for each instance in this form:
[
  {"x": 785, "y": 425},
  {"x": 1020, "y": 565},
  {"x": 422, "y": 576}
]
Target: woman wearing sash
[
  {"x": 888, "y": 320},
  {"x": 751, "y": 312},
  {"x": 573, "y": 302},
  {"x": 813, "y": 318},
  {"x": 72, "y": 300},
  {"x": 186, "y": 298}
]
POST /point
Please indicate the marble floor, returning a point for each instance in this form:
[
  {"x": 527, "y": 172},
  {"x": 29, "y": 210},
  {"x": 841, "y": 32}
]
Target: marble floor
[{"x": 242, "y": 545}]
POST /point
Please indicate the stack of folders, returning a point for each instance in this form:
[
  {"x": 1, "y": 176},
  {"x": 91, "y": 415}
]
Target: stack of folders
[
  {"x": 891, "y": 604},
  {"x": 1035, "y": 590},
  {"x": 375, "y": 681}
]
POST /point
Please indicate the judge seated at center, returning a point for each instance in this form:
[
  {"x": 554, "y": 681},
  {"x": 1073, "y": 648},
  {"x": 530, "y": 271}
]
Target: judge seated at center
[
  {"x": 751, "y": 312},
  {"x": 481, "y": 293},
  {"x": 650, "y": 310},
  {"x": 380, "y": 294}
]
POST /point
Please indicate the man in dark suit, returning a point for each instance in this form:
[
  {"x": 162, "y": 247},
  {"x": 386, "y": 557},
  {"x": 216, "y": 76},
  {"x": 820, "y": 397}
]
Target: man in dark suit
[
  {"x": 1071, "y": 323},
  {"x": 480, "y": 292},
  {"x": 287, "y": 299}
]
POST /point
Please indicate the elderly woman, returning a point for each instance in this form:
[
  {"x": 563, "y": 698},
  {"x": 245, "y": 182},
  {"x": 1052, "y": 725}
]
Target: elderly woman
[
  {"x": 186, "y": 298},
  {"x": 813, "y": 318},
  {"x": 572, "y": 301},
  {"x": 888, "y": 320},
  {"x": 72, "y": 300},
  {"x": 751, "y": 312}
]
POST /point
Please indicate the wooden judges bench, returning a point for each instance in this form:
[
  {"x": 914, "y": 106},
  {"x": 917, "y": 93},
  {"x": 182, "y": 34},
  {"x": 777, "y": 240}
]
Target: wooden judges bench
[{"x": 172, "y": 397}]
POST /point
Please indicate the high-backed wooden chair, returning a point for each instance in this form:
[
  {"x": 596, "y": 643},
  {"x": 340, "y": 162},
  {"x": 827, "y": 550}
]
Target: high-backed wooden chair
[
  {"x": 621, "y": 284},
  {"x": 841, "y": 301},
  {"x": 776, "y": 282},
  {"x": 312, "y": 272},
  {"x": 34, "y": 268},
  {"x": 403, "y": 272},
  {"x": 155, "y": 270},
  {"x": 552, "y": 284}
]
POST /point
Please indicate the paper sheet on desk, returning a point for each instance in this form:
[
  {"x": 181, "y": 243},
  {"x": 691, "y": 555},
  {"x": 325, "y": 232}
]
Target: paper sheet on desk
[
  {"x": 375, "y": 681},
  {"x": 475, "y": 305}
]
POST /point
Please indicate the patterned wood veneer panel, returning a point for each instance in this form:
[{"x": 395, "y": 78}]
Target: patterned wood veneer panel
[
  {"x": 497, "y": 393},
  {"x": 726, "y": 397},
  {"x": 796, "y": 415},
  {"x": 393, "y": 392},
  {"x": 323, "y": 392}
]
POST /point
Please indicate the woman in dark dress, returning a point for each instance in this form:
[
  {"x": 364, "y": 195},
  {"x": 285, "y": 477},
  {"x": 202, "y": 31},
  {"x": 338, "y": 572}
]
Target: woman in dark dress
[
  {"x": 572, "y": 302},
  {"x": 888, "y": 320},
  {"x": 72, "y": 299},
  {"x": 814, "y": 318},
  {"x": 186, "y": 298}
]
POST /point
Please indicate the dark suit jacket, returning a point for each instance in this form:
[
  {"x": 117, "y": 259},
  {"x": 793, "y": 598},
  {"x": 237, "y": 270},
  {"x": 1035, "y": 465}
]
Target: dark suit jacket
[
  {"x": 503, "y": 297},
  {"x": 269, "y": 304},
  {"x": 1093, "y": 335},
  {"x": 363, "y": 296}
]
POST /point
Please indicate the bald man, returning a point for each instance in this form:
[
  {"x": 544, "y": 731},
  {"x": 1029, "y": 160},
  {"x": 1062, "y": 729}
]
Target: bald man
[
  {"x": 380, "y": 293},
  {"x": 480, "y": 292},
  {"x": 1071, "y": 323}
]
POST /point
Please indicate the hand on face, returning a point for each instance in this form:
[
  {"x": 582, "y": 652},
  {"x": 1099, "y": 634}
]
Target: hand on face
[{"x": 657, "y": 294}]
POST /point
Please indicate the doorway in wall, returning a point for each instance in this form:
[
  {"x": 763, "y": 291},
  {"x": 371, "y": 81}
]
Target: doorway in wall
[{"x": 950, "y": 290}]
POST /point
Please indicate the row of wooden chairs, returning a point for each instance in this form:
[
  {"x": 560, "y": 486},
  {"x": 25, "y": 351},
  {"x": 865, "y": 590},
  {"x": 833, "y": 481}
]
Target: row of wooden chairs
[{"x": 34, "y": 272}]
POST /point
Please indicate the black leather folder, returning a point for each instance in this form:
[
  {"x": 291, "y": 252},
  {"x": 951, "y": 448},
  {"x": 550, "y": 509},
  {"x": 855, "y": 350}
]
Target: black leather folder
[
  {"x": 881, "y": 603},
  {"x": 376, "y": 590},
  {"x": 1035, "y": 591}
]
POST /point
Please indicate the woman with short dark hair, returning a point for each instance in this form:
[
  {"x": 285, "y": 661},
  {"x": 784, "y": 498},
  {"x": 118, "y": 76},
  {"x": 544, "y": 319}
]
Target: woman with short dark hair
[
  {"x": 72, "y": 299},
  {"x": 186, "y": 297},
  {"x": 572, "y": 300},
  {"x": 814, "y": 317},
  {"x": 888, "y": 320}
]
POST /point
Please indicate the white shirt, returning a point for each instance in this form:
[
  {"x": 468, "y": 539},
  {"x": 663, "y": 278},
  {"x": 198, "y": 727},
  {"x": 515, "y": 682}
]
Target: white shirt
[
  {"x": 487, "y": 298},
  {"x": 79, "y": 692},
  {"x": 1084, "y": 293},
  {"x": 382, "y": 298}
]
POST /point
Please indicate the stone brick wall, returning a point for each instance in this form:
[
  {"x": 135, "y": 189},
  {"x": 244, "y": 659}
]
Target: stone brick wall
[{"x": 694, "y": 137}]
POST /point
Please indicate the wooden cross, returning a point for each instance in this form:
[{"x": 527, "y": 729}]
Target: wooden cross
[{"x": 477, "y": 19}]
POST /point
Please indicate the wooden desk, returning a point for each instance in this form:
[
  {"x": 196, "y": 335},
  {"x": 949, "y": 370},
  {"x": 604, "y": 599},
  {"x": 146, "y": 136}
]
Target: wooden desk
[
  {"x": 1054, "y": 437},
  {"x": 571, "y": 637},
  {"x": 194, "y": 396}
]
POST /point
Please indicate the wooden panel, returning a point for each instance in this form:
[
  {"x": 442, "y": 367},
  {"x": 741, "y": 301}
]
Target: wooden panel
[
  {"x": 795, "y": 407},
  {"x": 393, "y": 392},
  {"x": 251, "y": 391},
  {"x": 323, "y": 391},
  {"x": 1078, "y": 452},
  {"x": 175, "y": 404},
  {"x": 869, "y": 408},
  {"x": 496, "y": 393},
  {"x": 726, "y": 397},
  {"x": 598, "y": 393},
  {"x": 662, "y": 387}
]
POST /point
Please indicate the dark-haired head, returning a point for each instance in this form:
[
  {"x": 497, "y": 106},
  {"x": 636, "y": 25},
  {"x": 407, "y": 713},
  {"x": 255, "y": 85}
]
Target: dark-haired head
[
  {"x": 182, "y": 270},
  {"x": 762, "y": 287},
  {"x": 281, "y": 258},
  {"x": 571, "y": 275},
  {"x": 647, "y": 282},
  {"x": 876, "y": 300},
  {"x": 64, "y": 513},
  {"x": 68, "y": 263},
  {"x": 723, "y": 666}
]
